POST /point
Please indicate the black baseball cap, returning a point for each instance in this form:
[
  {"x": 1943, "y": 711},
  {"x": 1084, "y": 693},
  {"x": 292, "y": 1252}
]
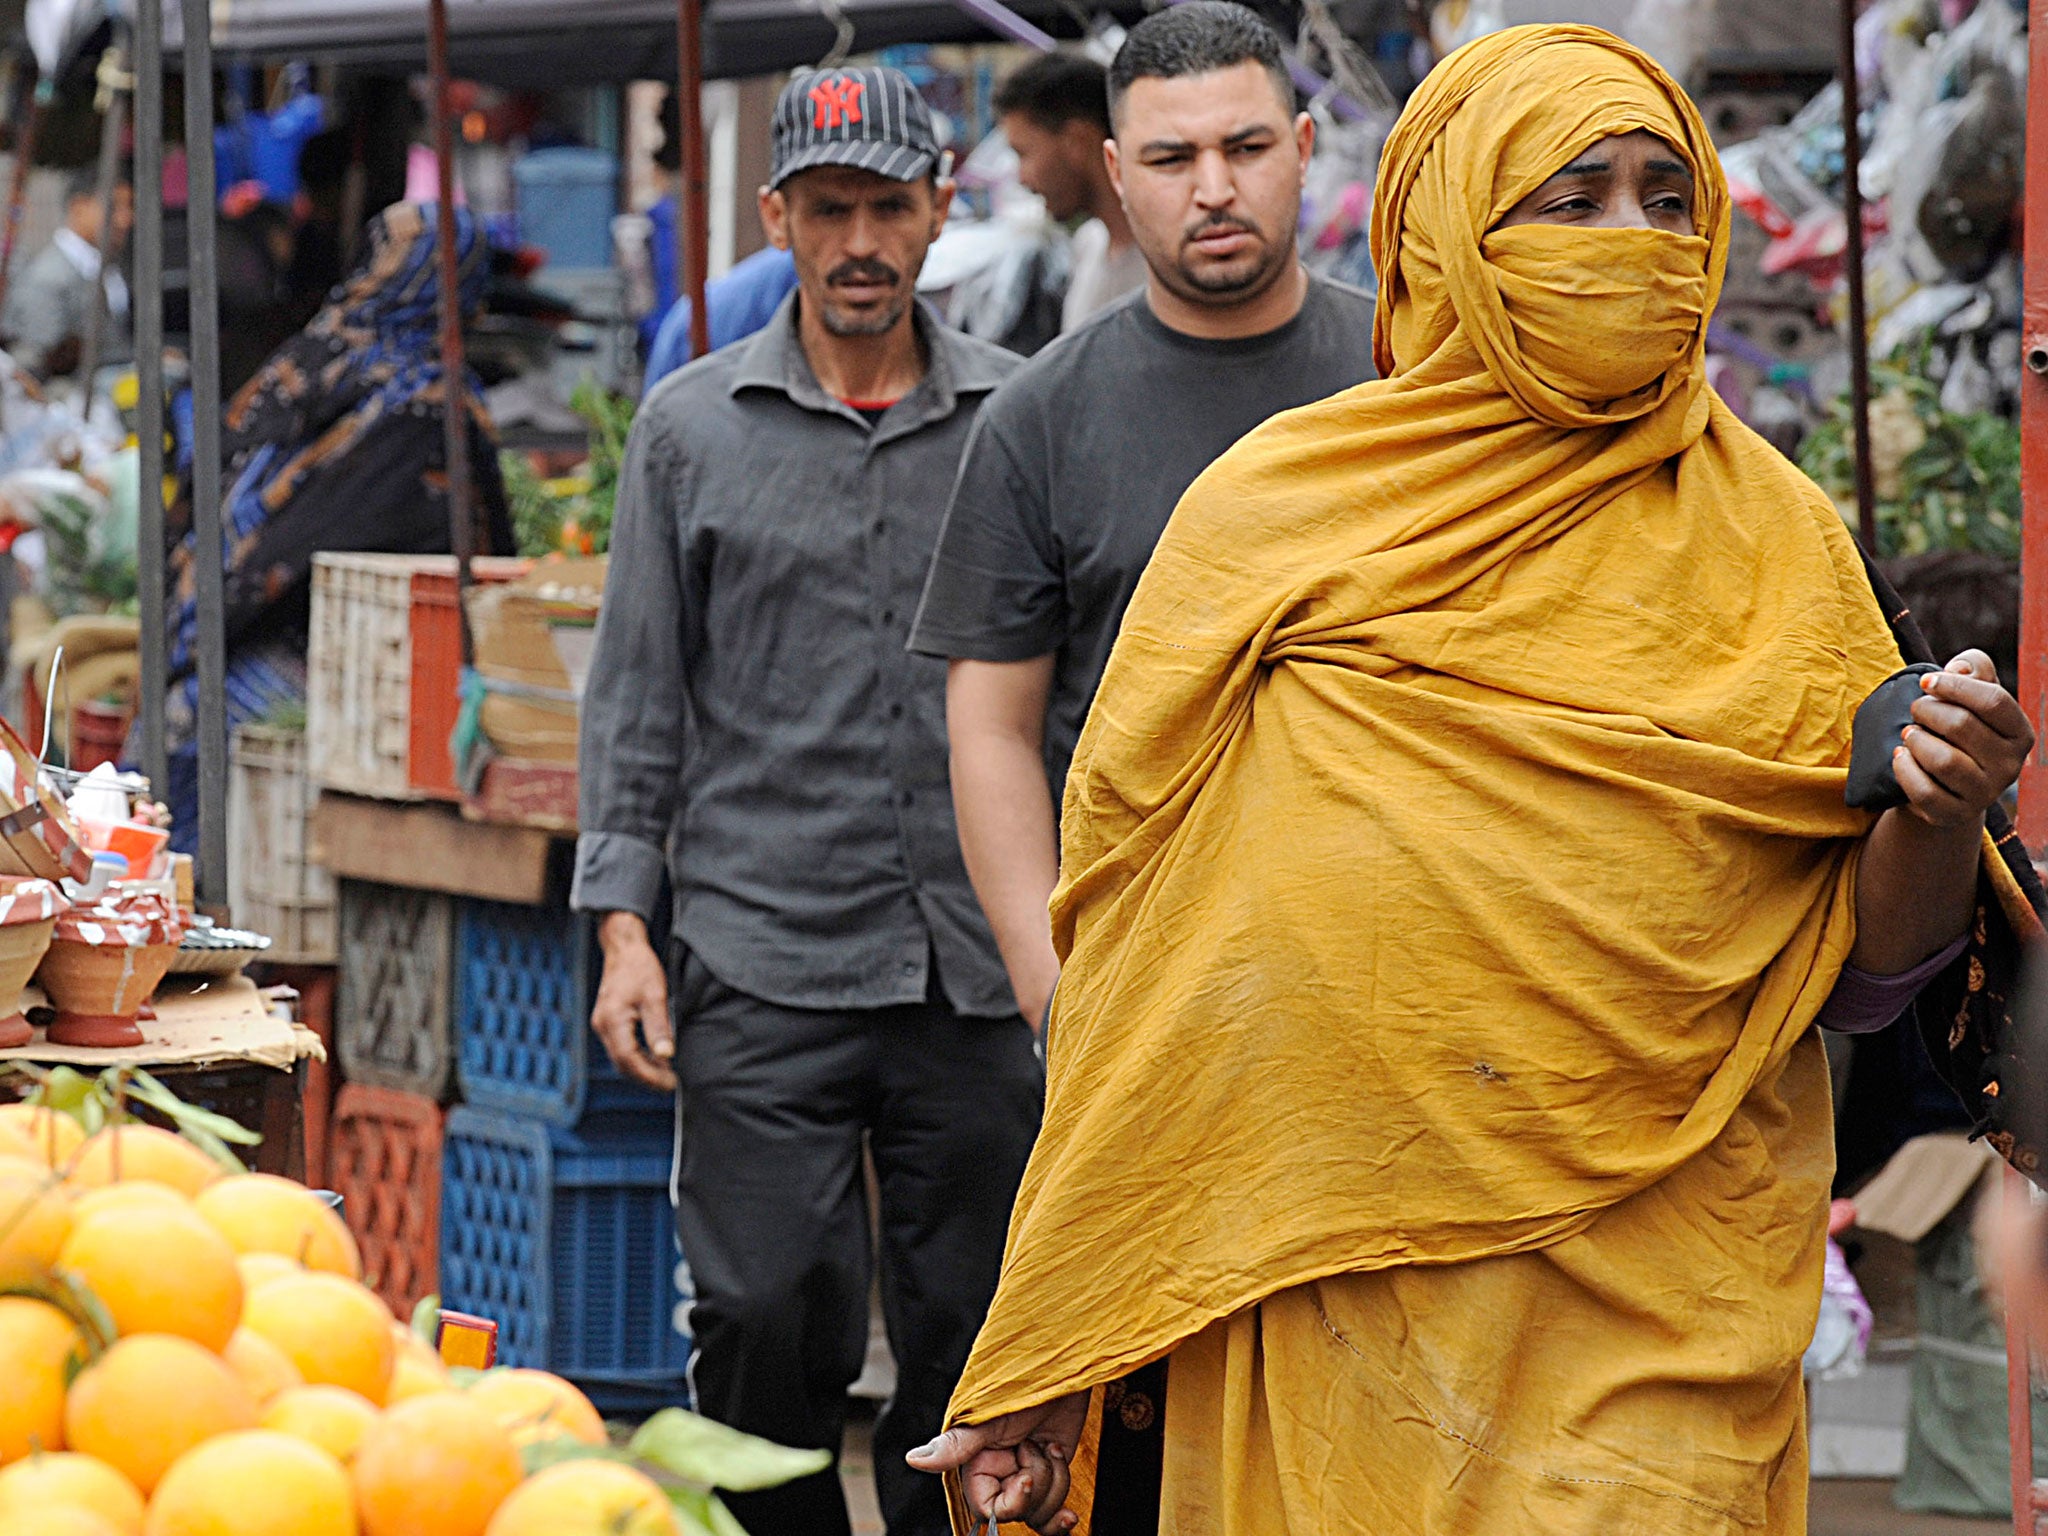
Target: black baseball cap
[{"x": 870, "y": 119}]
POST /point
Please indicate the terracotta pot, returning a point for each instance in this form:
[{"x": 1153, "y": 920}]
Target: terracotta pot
[
  {"x": 28, "y": 914},
  {"x": 103, "y": 963},
  {"x": 98, "y": 989}
]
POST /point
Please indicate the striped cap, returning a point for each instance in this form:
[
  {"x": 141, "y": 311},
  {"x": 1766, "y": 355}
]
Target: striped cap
[{"x": 871, "y": 119}]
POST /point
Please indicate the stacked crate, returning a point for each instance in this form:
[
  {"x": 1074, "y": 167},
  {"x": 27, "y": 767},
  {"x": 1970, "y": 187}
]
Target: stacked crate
[
  {"x": 555, "y": 1215},
  {"x": 397, "y": 1057}
]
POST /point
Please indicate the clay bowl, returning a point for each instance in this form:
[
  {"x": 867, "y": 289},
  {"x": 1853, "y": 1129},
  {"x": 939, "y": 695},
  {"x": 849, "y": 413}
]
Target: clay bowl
[
  {"x": 28, "y": 914},
  {"x": 102, "y": 965}
]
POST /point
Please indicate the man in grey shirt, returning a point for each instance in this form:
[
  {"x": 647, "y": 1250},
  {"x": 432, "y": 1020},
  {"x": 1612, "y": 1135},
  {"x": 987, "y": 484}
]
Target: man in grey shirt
[
  {"x": 755, "y": 730},
  {"x": 50, "y": 303},
  {"x": 1078, "y": 460}
]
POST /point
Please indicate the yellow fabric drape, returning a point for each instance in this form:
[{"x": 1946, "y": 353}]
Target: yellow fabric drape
[{"x": 1456, "y": 850}]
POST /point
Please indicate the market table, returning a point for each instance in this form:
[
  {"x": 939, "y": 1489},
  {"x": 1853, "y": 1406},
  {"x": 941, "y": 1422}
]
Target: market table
[{"x": 220, "y": 1042}]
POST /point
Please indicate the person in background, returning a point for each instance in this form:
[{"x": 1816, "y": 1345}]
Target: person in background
[
  {"x": 50, "y": 301},
  {"x": 1078, "y": 460},
  {"x": 1055, "y": 113},
  {"x": 755, "y": 732},
  {"x": 739, "y": 303},
  {"x": 335, "y": 444}
]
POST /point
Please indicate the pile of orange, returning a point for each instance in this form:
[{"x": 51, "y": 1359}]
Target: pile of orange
[{"x": 250, "y": 1383}]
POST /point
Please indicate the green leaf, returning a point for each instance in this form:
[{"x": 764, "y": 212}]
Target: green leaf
[
  {"x": 703, "y": 1513},
  {"x": 540, "y": 1454},
  {"x": 693, "y": 1447},
  {"x": 64, "y": 1089},
  {"x": 426, "y": 1319}
]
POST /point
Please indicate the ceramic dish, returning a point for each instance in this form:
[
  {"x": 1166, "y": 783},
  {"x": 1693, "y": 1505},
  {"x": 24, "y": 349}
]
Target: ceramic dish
[
  {"x": 103, "y": 963},
  {"x": 28, "y": 914}
]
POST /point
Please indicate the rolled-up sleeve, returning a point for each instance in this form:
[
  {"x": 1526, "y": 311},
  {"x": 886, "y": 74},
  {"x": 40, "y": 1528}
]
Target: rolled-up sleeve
[{"x": 635, "y": 707}]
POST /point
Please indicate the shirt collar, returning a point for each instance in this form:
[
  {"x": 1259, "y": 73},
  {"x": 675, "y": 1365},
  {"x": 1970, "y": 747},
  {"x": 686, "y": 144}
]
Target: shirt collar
[
  {"x": 774, "y": 359},
  {"x": 78, "y": 250}
]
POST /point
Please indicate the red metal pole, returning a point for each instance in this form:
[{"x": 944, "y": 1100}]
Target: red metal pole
[
  {"x": 1859, "y": 315},
  {"x": 2034, "y": 442},
  {"x": 454, "y": 362},
  {"x": 693, "y": 211}
]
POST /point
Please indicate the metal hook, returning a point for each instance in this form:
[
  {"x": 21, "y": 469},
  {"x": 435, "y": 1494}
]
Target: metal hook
[
  {"x": 843, "y": 43},
  {"x": 49, "y": 704}
]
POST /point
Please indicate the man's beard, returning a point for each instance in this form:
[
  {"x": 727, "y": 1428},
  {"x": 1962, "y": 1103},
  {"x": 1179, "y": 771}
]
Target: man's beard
[
  {"x": 1229, "y": 281},
  {"x": 842, "y": 322}
]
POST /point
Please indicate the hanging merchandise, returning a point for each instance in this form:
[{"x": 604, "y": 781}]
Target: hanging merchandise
[
  {"x": 1454, "y": 23},
  {"x": 263, "y": 147}
]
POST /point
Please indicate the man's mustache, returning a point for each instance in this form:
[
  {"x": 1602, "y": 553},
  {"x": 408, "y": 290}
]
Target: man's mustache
[
  {"x": 864, "y": 270},
  {"x": 1220, "y": 223}
]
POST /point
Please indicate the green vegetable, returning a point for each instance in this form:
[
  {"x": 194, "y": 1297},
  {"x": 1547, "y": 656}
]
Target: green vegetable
[{"x": 1944, "y": 481}]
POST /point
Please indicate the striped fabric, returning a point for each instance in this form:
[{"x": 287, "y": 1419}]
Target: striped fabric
[{"x": 870, "y": 119}]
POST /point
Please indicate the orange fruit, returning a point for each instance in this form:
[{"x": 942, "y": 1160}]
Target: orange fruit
[
  {"x": 264, "y": 1368},
  {"x": 53, "y": 1138},
  {"x": 37, "y": 1343},
  {"x": 57, "y": 1520},
  {"x": 411, "y": 1377},
  {"x": 534, "y": 1405},
  {"x": 149, "y": 1400},
  {"x": 262, "y": 1268},
  {"x": 159, "y": 1269},
  {"x": 67, "y": 1478},
  {"x": 586, "y": 1498},
  {"x": 255, "y": 1482},
  {"x": 261, "y": 1213},
  {"x": 122, "y": 1197},
  {"x": 121, "y": 1154},
  {"x": 436, "y": 1466},
  {"x": 35, "y": 1218},
  {"x": 333, "y": 1418},
  {"x": 334, "y": 1330}
]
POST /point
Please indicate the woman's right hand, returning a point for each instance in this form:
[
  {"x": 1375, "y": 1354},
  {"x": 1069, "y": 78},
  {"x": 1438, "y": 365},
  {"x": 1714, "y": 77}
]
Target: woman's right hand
[{"x": 1014, "y": 1467}]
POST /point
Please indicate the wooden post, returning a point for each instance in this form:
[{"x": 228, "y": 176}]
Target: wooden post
[
  {"x": 148, "y": 302},
  {"x": 1859, "y": 317},
  {"x": 693, "y": 195},
  {"x": 454, "y": 364},
  {"x": 2034, "y": 444},
  {"x": 210, "y": 566}
]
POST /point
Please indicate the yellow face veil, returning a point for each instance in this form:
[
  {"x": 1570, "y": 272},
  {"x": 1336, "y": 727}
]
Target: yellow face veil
[{"x": 1561, "y": 318}]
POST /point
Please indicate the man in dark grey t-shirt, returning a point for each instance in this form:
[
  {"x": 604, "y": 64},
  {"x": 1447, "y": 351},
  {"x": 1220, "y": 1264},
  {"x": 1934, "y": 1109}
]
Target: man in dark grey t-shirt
[{"x": 1078, "y": 459}]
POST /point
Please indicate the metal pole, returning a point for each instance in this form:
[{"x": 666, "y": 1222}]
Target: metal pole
[
  {"x": 17, "y": 190},
  {"x": 693, "y": 215},
  {"x": 211, "y": 555},
  {"x": 454, "y": 368},
  {"x": 2034, "y": 442},
  {"x": 2019, "y": 1394},
  {"x": 1859, "y": 321},
  {"x": 148, "y": 302},
  {"x": 112, "y": 67}
]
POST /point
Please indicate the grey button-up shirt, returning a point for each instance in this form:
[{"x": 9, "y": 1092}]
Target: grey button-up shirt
[{"x": 752, "y": 715}]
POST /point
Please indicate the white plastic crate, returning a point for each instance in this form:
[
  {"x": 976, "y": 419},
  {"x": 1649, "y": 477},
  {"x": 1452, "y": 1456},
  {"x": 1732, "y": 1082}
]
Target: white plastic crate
[
  {"x": 359, "y": 673},
  {"x": 273, "y": 886}
]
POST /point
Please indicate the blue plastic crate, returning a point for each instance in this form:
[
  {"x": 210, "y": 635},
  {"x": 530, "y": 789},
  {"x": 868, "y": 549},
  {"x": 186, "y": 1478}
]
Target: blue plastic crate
[
  {"x": 567, "y": 1241},
  {"x": 525, "y": 978}
]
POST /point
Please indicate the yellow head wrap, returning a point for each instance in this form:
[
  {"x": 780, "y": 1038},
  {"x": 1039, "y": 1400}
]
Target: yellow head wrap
[{"x": 1457, "y": 845}]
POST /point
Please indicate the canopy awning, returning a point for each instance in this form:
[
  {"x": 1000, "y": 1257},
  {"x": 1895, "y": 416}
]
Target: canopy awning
[{"x": 580, "y": 42}]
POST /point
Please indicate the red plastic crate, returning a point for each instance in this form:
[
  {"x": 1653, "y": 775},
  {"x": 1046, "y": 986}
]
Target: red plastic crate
[
  {"x": 385, "y": 1161},
  {"x": 437, "y": 670}
]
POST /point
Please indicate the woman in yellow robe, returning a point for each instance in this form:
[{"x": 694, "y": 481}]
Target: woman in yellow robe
[{"x": 1454, "y": 864}]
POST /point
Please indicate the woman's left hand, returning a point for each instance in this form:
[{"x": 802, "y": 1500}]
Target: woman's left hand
[{"x": 1965, "y": 745}]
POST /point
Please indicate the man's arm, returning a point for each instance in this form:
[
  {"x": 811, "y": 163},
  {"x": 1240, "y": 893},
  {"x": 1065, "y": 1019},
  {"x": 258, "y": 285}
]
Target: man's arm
[
  {"x": 1009, "y": 827},
  {"x": 630, "y": 753}
]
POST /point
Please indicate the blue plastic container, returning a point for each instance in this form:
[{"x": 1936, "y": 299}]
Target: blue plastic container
[
  {"x": 525, "y": 978},
  {"x": 567, "y": 1241},
  {"x": 567, "y": 198}
]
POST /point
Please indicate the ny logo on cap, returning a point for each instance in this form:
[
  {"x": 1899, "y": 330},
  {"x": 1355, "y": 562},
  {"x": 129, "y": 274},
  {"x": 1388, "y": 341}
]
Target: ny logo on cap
[{"x": 835, "y": 103}]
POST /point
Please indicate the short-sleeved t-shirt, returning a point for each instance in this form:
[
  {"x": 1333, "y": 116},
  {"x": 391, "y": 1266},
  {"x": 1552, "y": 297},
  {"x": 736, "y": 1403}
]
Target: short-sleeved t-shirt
[{"x": 1078, "y": 461}]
